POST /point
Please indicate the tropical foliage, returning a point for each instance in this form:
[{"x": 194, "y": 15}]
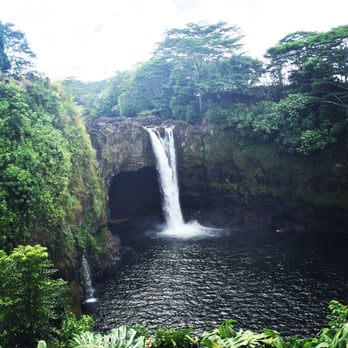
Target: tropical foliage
[
  {"x": 121, "y": 337},
  {"x": 34, "y": 304},
  {"x": 224, "y": 336},
  {"x": 297, "y": 99},
  {"x": 50, "y": 194},
  {"x": 47, "y": 163}
]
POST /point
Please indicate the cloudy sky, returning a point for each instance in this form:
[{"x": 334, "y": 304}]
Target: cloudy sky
[{"x": 93, "y": 39}]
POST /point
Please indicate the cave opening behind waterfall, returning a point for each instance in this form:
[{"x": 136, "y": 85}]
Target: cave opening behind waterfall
[{"x": 135, "y": 197}]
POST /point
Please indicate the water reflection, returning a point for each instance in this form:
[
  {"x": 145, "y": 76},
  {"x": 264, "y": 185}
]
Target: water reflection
[{"x": 279, "y": 281}]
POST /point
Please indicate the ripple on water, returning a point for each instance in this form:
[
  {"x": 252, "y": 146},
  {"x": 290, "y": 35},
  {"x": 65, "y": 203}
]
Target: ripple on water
[{"x": 259, "y": 280}]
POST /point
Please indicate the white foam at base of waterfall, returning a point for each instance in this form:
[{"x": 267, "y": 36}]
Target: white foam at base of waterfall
[
  {"x": 91, "y": 300},
  {"x": 191, "y": 229}
]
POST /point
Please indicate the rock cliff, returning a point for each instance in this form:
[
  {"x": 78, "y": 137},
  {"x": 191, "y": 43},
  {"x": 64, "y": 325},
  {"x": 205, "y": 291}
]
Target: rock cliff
[{"x": 224, "y": 181}]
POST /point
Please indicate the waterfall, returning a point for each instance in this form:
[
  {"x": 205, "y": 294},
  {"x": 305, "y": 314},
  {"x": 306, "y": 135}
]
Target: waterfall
[
  {"x": 164, "y": 150},
  {"x": 87, "y": 281}
]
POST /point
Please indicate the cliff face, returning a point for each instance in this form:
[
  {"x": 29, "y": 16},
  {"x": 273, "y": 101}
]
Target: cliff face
[
  {"x": 224, "y": 182},
  {"x": 253, "y": 185},
  {"x": 127, "y": 164},
  {"x": 122, "y": 145}
]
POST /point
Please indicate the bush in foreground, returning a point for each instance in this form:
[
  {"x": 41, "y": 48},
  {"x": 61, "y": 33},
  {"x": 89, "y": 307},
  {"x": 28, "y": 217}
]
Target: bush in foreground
[{"x": 225, "y": 336}]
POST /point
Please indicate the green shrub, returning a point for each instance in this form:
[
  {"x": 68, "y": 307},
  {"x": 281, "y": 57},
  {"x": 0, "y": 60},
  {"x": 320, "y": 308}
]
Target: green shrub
[
  {"x": 73, "y": 326},
  {"x": 121, "y": 337},
  {"x": 32, "y": 304},
  {"x": 225, "y": 336},
  {"x": 168, "y": 337}
]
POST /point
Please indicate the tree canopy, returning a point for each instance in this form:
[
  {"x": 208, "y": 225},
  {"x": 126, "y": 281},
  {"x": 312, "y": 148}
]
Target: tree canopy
[
  {"x": 296, "y": 99},
  {"x": 190, "y": 67},
  {"x": 16, "y": 56},
  {"x": 301, "y": 55},
  {"x": 198, "y": 44}
]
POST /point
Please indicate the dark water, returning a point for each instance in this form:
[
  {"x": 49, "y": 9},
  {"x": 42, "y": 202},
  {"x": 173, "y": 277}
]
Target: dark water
[{"x": 280, "y": 281}]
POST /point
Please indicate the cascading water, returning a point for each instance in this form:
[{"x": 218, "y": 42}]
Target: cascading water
[
  {"x": 87, "y": 281},
  {"x": 164, "y": 151}
]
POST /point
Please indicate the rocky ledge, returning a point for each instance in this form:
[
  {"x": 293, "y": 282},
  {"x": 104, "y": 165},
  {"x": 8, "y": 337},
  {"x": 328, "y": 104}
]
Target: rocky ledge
[{"x": 227, "y": 181}]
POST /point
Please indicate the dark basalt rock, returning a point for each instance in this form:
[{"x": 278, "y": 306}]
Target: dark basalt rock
[
  {"x": 228, "y": 182},
  {"x": 109, "y": 259}
]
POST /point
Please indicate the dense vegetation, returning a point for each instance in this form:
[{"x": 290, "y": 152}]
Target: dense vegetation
[
  {"x": 33, "y": 304},
  {"x": 297, "y": 99},
  {"x": 48, "y": 177},
  {"x": 49, "y": 190},
  {"x": 225, "y": 336},
  {"x": 51, "y": 193}
]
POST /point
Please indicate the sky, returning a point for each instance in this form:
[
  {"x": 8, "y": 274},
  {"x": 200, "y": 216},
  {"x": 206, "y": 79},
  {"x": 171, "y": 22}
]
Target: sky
[{"x": 94, "y": 39}]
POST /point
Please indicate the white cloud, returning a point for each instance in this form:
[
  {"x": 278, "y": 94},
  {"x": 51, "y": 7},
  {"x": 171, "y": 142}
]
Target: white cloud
[{"x": 93, "y": 39}]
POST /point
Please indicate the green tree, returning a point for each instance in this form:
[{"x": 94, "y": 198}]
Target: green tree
[
  {"x": 107, "y": 102},
  {"x": 231, "y": 83},
  {"x": 324, "y": 54},
  {"x": 85, "y": 94},
  {"x": 192, "y": 50},
  {"x": 310, "y": 71},
  {"x": 33, "y": 306},
  {"x": 290, "y": 124},
  {"x": 287, "y": 56},
  {"x": 193, "y": 70},
  {"x": 35, "y": 167},
  {"x": 4, "y": 62},
  {"x": 147, "y": 90},
  {"x": 234, "y": 75},
  {"x": 50, "y": 191},
  {"x": 16, "y": 56}
]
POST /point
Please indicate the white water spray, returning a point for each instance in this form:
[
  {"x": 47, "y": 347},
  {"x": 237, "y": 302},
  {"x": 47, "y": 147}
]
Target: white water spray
[{"x": 164, "y": 150}]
